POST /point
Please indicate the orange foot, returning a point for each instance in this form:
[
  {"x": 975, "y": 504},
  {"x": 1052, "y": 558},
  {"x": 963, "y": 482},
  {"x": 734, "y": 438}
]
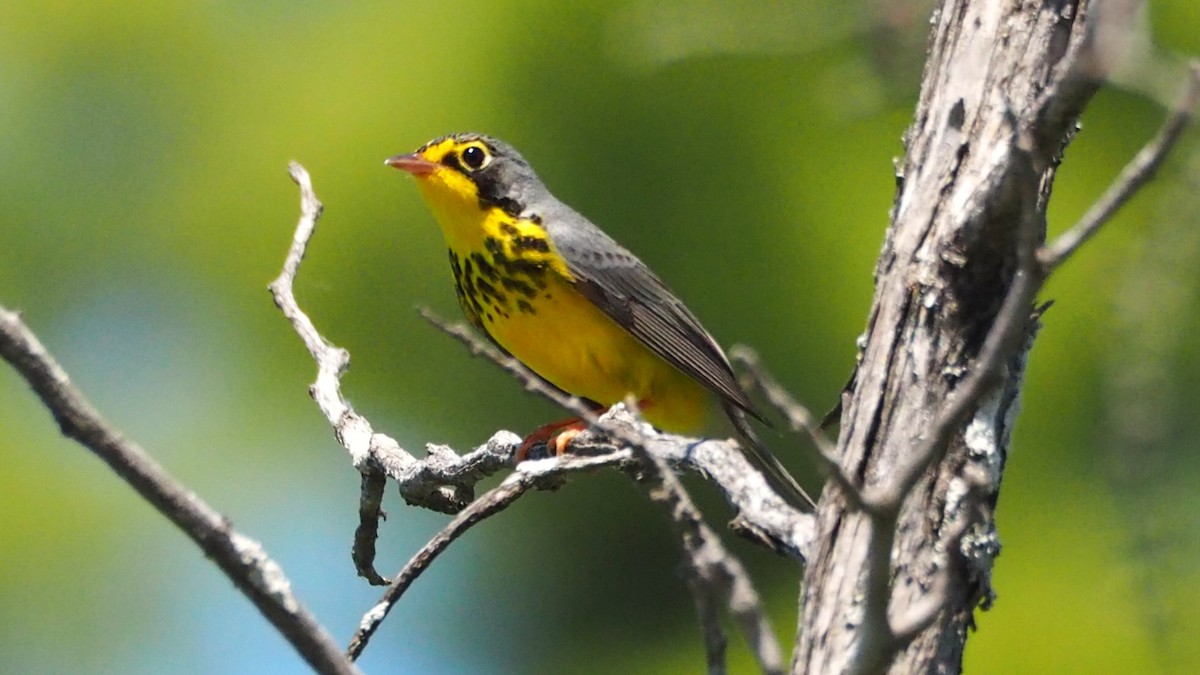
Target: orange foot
[{"x": 555, "y": 434}]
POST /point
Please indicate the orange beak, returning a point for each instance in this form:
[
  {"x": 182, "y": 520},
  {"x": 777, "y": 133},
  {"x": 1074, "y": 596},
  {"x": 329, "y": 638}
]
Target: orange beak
[{"x": 412, "y": 163}]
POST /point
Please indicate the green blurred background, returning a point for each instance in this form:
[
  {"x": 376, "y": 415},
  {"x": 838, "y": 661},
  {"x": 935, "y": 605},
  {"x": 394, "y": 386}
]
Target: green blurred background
[{"x": 746, "y": 154}]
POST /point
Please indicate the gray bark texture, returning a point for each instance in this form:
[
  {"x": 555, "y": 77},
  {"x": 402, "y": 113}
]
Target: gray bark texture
[{"x": 1003, "y": 85}]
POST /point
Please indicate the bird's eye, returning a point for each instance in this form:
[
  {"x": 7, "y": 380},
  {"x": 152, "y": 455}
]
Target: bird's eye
[{"x": 475, "y": 157}]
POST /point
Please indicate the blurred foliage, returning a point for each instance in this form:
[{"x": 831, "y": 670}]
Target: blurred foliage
[{"x": 746, "y": 155}]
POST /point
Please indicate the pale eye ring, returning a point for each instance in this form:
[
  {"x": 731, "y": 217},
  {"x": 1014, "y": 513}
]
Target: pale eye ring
[{"x": 475, "y": 157}]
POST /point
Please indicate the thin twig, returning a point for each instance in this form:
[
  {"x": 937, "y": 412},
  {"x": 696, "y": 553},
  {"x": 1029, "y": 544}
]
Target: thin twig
[
  {"x": 708, "y": 613},
  {"x": 532, "y": 382},
  {"x": 714, "y": 575},
  {"x": 370, "y": 512},
  {"x": 528, "y": 475},
  {"x": 332, "y": 360},
  {"x": 800, "y": 420},
  {"x": 441, "y": 481},
  {"x": 694, "y": 537},
  {"x": 1140, "y": 170},
  {"x": 241, "y": 558}
]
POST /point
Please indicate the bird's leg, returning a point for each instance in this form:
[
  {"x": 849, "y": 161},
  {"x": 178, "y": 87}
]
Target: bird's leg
[
  {"x": 556, "y": 434},
  {"x": 559, "y": 434}
]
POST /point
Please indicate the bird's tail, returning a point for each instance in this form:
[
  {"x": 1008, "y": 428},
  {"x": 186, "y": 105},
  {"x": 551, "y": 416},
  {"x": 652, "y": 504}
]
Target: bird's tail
[{"x": 776, "y": 474}]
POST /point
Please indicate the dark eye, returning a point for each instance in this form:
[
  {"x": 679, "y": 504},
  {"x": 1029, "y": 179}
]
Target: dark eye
[{"x": 475, "y": 157}]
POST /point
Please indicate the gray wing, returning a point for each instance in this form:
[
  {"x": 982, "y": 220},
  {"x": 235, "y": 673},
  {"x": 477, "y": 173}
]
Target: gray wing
[{"x": 630, "y": 294}]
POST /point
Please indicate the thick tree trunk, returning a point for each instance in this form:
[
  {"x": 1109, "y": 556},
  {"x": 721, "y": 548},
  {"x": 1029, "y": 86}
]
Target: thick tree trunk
[{"x": 948, "y": 260}]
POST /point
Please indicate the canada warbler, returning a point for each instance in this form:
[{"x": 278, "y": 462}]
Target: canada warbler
[{"x": 576, "y": 307}]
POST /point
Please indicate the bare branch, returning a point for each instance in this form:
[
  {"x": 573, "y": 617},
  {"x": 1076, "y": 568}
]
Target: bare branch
[
  {"x": 442, "y": 481},
  {"x": 708, "y": 612},
  {"x": 241, "y": 558},
  {"x": 528, "y": 475},
  {"x": 712, "y": 569},
  {"x": 714, "y": 575},
  {"x": 370, "y": 511},
  {"x": 435, "y": 482},
  {"x": 762, "y": 513},
  {"x": 1140, "y": 170},
  {"x": 800, "y": 420}
]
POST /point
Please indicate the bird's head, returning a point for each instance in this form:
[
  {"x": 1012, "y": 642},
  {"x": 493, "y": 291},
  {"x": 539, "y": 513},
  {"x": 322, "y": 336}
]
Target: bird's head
[{"x": 471, "y": 171}]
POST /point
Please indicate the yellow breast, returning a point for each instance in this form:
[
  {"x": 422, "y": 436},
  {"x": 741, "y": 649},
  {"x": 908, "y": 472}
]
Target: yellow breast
[{"x": 513, "y": 284}]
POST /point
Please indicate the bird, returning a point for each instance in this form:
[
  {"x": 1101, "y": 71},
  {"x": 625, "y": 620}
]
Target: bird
[{"x": 564, "y": 298}]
